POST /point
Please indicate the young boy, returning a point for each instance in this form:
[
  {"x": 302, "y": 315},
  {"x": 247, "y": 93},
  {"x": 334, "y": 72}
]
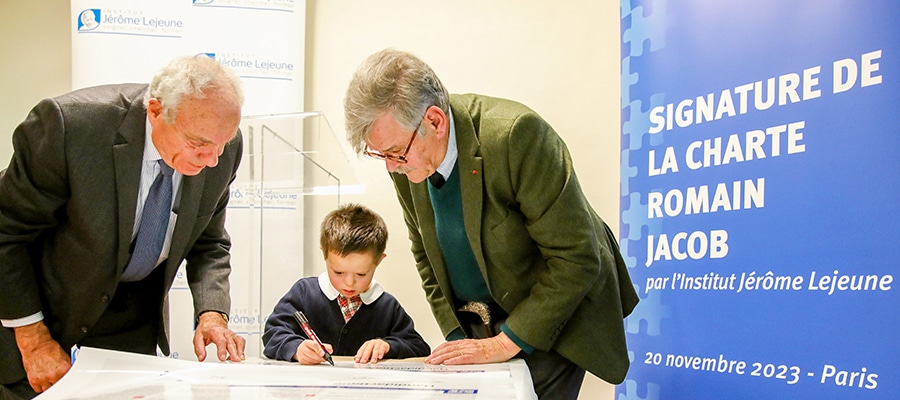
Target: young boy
[{"x": 347, "y": 309}]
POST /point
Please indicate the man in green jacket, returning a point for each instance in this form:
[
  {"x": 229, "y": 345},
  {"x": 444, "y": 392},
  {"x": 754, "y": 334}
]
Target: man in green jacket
[{"x": 499, "y": 226}]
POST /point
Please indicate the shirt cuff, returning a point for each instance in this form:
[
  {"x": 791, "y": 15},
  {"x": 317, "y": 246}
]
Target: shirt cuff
[
  {"x": 15, "y": 323},
  {"x": 512, "y": 336},
  {"x": 456, "y": 334}
]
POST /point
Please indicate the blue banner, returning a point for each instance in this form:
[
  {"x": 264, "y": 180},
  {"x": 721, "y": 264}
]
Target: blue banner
[{"x": 759, "y": 192}]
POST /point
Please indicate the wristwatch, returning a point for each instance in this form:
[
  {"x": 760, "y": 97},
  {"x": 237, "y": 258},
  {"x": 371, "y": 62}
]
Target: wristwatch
[{"x": 224, "y": 316}]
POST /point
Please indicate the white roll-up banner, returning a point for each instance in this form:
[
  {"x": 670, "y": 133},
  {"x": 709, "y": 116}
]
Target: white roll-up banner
[{"x": 262, "y": 41}]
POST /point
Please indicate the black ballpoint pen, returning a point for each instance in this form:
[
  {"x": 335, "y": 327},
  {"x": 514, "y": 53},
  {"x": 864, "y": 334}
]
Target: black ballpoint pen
[{"x": 304, "y": 323}]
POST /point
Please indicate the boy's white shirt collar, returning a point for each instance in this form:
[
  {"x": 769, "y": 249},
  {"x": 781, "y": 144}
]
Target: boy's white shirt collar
[{"x": 375, "y": 290}]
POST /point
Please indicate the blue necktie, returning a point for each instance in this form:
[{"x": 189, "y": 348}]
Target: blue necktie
[{"x": 154, "y": 224}]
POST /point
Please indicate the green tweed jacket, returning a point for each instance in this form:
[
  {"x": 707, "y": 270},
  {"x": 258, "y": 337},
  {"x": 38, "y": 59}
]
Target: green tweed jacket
[{"x": 547, "y": 257}]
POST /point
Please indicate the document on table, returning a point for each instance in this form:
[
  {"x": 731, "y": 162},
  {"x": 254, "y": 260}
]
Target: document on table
[{"x": 105, "y": 374}]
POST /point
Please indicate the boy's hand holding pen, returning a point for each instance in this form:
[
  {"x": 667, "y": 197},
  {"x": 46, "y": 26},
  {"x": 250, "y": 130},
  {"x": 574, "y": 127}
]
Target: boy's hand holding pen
[{"x": 311, "y": 351}]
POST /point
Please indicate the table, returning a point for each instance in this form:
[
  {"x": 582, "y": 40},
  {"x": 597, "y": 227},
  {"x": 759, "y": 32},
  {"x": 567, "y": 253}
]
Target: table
[{"x": 106, "y": 374}]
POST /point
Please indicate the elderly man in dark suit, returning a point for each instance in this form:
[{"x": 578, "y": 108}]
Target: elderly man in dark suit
[
  {"x": 499, "y": 226},
  {"x": 71, "y": 204}
]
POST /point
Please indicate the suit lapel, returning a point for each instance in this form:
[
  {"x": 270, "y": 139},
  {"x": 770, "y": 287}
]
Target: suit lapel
[
  {"x": 471, "y": 179},
  {"x": 128, "y": 154},
  {"x": 187, "y": 206},
  {"x": 471, "y": 183}
]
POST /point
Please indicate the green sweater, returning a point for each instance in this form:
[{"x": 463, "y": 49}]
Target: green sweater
[{"x": 465, "y": 278}]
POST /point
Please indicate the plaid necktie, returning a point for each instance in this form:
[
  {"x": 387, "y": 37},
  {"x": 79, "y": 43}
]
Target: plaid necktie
[{"x": 349, "y": 306}]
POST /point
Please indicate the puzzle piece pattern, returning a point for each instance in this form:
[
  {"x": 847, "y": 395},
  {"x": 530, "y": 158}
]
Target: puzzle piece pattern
[
  {"x": 631, "y": 392},
  {"x": 643, "y": 31},
  {"x": 648, "y": 315},
  {"x": 626, "y": 172},
  {"x": 645, "y": 28},
  {"x": 635, "y": 226},
  {"x": 640, "y": 25}
]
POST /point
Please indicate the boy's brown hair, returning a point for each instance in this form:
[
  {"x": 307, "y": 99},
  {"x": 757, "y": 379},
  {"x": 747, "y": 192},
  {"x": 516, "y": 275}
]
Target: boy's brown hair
[{"x": 353, "y": 228}]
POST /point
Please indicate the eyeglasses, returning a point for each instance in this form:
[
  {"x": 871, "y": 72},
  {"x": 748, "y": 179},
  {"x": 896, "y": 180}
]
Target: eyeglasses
[{"x": 401, "y": 159}]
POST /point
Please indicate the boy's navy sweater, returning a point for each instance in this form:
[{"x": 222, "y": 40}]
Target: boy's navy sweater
[{"x": 384, "y": 318}]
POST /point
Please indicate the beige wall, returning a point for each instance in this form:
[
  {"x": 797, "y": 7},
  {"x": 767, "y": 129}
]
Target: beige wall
[
  {"x": 561, "y": 59},
  {"x": 35, "y": 61}
]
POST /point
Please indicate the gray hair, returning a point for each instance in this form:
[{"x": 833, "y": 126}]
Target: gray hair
[
  {"x": 390, "y": 81},
  {"x": 191, "y": 77}
]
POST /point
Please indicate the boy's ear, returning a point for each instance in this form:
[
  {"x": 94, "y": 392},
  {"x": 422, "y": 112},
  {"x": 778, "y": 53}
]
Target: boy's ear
[{"x": 380, "y": 259}]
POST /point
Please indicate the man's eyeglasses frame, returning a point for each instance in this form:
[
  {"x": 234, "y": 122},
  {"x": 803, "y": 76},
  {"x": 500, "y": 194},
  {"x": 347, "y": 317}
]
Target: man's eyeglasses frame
[{"x": 401, "y": 159}]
